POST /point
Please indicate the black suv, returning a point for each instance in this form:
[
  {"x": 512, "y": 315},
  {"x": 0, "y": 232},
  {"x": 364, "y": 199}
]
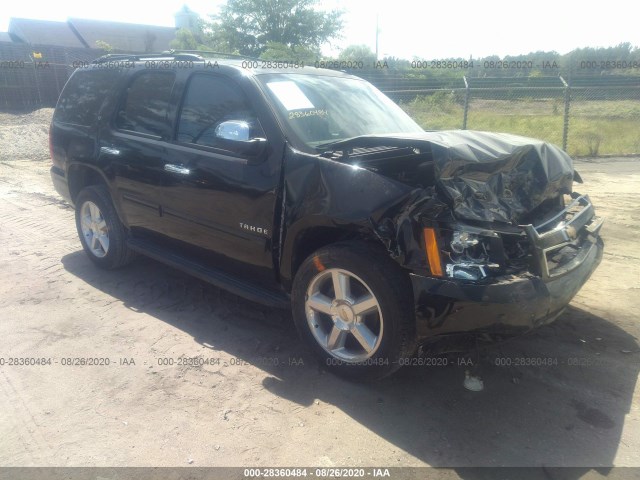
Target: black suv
[{"x": 310, "y": 189}]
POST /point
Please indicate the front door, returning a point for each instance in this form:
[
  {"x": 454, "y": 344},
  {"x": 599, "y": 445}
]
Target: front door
[{"x": 214, "y": 197}]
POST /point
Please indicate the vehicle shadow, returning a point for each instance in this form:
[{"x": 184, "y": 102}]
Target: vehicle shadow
[{"x": 555, "y": 397}]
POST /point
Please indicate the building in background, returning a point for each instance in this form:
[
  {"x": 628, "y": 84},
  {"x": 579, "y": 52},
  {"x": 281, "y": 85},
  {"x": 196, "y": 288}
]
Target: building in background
[
  {"x": 186, "y": 18},
  {"x": 38, "y": 56},
  {"x": 83, "y": 33}
]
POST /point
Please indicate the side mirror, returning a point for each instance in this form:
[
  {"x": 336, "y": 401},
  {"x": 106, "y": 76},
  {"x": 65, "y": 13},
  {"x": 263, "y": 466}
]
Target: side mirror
[
  {"x": 237, "y": 130},
  {"x": 234, "y": 135}
]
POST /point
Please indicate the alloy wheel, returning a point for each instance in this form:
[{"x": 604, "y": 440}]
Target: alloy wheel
[
  {"x": 94, "y": 229},
  {"x": 344, "y": 315}
]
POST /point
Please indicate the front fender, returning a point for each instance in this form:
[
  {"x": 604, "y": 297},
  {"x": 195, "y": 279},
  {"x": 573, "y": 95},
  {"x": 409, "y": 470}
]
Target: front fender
[{"x": 325, "y": 195}]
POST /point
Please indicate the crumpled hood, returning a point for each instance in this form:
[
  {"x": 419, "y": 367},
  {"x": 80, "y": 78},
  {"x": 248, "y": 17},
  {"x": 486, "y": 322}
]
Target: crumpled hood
[
  {"x": 499, "y": 177},
  {"x": 493, "y": 177}
]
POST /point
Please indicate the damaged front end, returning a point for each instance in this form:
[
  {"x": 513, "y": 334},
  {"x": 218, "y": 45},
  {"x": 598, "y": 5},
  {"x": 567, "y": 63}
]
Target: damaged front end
[
  {"x": 492, "y": 232},
  {"x": 549, "y": 248}
]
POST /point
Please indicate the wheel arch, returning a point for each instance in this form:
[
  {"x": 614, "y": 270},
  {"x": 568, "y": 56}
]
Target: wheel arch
[
  {"x": 317, "y": 317},
  {"x": 304, "y": 241},
  {"x": 80, "y": 175}
]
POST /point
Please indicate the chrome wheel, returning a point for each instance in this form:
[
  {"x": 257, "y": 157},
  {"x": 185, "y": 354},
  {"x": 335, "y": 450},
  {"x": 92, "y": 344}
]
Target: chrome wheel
[
  {"x": 94, "y": 229},
  {"x": 344, "y": 315}
]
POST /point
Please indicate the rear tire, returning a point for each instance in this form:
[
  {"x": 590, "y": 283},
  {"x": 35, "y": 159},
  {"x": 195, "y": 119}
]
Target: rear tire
[
  {"x": 101, "y": 233},
  {"x": 353, "y": 306}
]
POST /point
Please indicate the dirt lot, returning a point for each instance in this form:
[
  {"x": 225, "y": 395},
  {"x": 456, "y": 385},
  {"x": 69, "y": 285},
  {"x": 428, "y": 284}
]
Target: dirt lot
[{"x": 256, "y": 403}]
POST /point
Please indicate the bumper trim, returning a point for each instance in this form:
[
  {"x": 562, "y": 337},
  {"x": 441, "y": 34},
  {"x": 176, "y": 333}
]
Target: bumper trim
[
  {"x": 565, "y": 233},
  {"x": 511, "y": 304}
]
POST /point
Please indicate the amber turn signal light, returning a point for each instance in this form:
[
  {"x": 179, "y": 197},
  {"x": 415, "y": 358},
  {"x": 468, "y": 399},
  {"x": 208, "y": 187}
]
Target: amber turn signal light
[{"x": 433, "y": 253}]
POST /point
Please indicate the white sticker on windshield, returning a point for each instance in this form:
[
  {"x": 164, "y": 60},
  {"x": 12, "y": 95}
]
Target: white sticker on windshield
[{"x": 290, "y": 95}]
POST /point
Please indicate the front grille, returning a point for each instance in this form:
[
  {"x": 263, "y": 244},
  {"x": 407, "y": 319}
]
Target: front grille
[{"x": 561, "y": 243}]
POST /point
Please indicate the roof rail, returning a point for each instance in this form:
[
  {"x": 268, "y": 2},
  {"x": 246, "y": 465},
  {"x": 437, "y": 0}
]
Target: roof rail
[
  {"x": 212, "y": 53},
  {"x": 133, "y": 57},
  {"x": 174, "y": 54}
]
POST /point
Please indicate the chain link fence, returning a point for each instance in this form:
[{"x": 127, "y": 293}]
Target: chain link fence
[
  {"x": 587, "y": 116},
  {"x": 604, "y": 119},
  {"x": 32, "y": 76}
]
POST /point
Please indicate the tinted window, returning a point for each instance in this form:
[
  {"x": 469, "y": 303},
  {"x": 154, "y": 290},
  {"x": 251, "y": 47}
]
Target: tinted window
[
  {"x": 208, "y": 102},
  {"x": 83, "y": 96},
  {"x": 147, "y": 100}
]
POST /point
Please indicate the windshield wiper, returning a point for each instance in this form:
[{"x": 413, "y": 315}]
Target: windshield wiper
[
  {"x": 323, "y": 147},
  {"x": 373, "y": 140}
]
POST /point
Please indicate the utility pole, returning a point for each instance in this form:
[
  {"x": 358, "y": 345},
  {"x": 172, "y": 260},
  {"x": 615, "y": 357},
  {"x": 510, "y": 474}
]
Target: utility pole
[{"x": 377, "y": 32}]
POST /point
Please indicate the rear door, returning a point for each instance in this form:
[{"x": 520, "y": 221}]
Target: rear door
[{"x": 135, "y": 147}]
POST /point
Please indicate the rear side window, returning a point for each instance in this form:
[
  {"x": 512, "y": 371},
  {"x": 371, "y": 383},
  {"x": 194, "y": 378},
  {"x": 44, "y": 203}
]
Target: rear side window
[
  {"x": 208, "y": 102},
  {"x": 146, "y": 104},
  {"x": 83, "y": 95}
]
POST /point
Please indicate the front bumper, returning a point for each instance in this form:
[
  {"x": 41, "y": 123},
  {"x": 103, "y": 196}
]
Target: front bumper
[{"x": 511, "y": 304}]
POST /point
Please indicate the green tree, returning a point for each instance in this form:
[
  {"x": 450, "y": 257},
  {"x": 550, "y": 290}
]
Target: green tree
[
  {"x": 279, "y": 51},
  {"x": 202, "y": 37},
  {"x": 248, "y": 26},
  {"x": 102, "y": 45},
  {"x": 187, "y": 40},
  {"x": 358, "y": 53},
  {"x": 593, "y": 60}
]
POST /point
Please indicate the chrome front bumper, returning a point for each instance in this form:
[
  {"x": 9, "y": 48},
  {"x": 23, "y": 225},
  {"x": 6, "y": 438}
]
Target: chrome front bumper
[{"x": 575, "y": 229}]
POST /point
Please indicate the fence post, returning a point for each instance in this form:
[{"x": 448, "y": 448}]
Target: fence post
[
  {"x": 567, "y": 104},
  {"x": 36, "y": 79},
  {"x": 466, "y": 102}
]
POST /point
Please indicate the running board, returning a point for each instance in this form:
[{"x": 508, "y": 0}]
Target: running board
[{"x": 227, "y": 282}]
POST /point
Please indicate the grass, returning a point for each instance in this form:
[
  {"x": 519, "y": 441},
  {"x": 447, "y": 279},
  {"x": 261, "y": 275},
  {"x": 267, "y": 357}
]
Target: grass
[{"x": 596, "y": 127}]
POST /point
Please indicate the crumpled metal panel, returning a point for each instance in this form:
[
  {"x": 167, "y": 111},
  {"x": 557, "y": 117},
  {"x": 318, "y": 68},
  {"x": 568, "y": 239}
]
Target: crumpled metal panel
[
  {"x": 491, "y": 177},
  {"x": 498, "y": 177}
]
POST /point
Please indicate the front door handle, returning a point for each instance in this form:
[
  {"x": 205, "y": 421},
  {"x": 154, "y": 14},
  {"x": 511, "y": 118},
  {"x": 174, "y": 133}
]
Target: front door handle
[
  {"x": 179, "y": 169},
  {"x": 109, "y": 151}
]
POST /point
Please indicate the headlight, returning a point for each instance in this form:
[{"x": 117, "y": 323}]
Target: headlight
[
  {"x": 470, "y": 256},
  {"x": 463, "y": 240},
  {"x": 466, "y": 271}
]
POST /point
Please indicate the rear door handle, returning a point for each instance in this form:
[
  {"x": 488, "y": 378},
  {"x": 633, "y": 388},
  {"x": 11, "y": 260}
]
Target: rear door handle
[{"x": 179, "y": 169}]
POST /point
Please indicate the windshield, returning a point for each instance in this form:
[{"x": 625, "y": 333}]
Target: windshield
[{"x": 325, "y": 109}]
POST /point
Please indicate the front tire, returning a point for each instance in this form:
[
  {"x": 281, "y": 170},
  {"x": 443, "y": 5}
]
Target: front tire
[
  {"x": 353, "y": 306},
  {"x": 101, "y": 233}
]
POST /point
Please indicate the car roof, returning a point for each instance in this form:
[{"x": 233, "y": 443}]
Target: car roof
[{"x": 252, "y": 66}]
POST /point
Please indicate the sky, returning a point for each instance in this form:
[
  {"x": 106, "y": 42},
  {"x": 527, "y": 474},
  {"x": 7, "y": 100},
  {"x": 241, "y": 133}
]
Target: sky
[{"x": 407, "y": 28}]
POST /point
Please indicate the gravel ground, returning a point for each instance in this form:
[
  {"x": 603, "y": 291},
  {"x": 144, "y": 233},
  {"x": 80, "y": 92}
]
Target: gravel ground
[
  {"x": 255, "y": 404},
  {"x": 25, "y": 136}
]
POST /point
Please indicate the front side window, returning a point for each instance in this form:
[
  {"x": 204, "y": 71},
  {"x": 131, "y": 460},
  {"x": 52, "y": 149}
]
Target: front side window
[
  {"x": 213, "y": 109},
  {"x": 146, "y": 104}
]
